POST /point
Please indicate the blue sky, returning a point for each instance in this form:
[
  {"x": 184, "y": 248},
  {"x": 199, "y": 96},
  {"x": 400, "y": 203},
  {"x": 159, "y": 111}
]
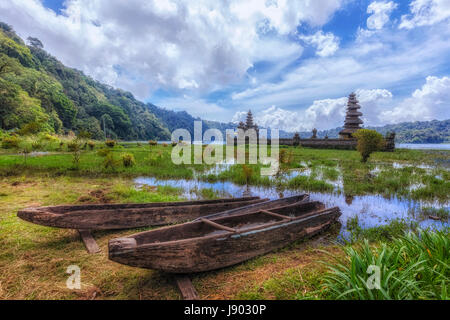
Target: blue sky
[{"x": 291, "y": 62}]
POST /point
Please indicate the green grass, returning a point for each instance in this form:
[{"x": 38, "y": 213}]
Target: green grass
[
  {"x": 325, "y": 165},
  {"x": 309, "y": 184},
  {"x": 411, "y": 267},
  {"x": 442, "y": 214},
  {"x": 387, "y": 232}
]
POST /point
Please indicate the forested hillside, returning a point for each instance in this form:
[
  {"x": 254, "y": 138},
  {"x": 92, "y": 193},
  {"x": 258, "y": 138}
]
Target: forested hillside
[
  {"x": 38, "y": 93},
  {"x": 181, "y": 119}
]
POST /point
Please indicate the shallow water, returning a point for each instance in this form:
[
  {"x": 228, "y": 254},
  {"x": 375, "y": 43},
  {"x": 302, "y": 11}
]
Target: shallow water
[
  {"x": 372, "y": 210},
  {"x": 424, "y": 146}
]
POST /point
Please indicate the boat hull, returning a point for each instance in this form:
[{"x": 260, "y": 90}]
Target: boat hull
[
  {"x": 210, "y": 253},
  {"x": 119, "y": 216}
]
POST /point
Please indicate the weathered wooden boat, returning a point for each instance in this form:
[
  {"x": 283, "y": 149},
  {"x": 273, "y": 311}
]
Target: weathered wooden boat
[
  {"x": 125, "y": 216},
  {"x": 221, "y": 241}
]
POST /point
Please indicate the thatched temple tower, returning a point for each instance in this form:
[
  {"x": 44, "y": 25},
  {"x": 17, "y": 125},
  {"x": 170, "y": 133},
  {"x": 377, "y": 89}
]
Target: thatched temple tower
[
  {"x": 249, "y": 123},
  {"x": 345, "y": 141},
  {"x": 352, "y": 120}
]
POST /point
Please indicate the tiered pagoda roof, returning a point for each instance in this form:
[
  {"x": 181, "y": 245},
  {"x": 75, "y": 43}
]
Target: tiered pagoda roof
[
  {"x": 249, "y": 123},
  {"x": 352, "y": 120}
]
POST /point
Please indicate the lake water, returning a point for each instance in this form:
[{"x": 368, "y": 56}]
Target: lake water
[
  {"x": 424, "y": 146},
  {"x": 372, "y": 210},
  {"x": 417, "y": 146}
]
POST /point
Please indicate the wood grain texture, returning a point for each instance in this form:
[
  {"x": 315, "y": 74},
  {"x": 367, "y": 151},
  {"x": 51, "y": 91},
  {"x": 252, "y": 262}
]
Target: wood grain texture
[
  {"x": 186, "y": 288},
  {"x": 197, "y": 247},
  {"x": 109, "y": 217},
  {"x": 89, "y": 241}
]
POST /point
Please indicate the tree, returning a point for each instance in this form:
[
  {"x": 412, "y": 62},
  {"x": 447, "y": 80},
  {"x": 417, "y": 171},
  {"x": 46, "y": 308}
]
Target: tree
[
  {"x": 368, "y": 141},
  {"x": 8, "y": 65},
  {"x": 35, "y": 42}
]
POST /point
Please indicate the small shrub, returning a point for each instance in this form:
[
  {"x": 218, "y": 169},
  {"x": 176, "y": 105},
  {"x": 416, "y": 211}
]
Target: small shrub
[
  {"x": 286, "y": 156},
  {"x": 49, "y": 138},
  {"x": 84, "y": 135},
  {"x": 156, "y": 160},
  {"x": 10, "y": 143},
  {"x": 103, "y": 152},
  {"x": 110, "y": 162},
  {"x": 76, "y": 159},
  {"x": 25, "y": 151},
  {"x": 369, "y": 141},
  {"x": 248, "y": 172},
  {"x": 110, "y": 143},
  {"x": 73, "y": 146},
  {"x": 30, "y": 128},
  {"x": 128, "y": 160},
  {"x": 153, "y": 143},
  {"x": 36, "y": 145},
  {"x": 91, "y": 145}
]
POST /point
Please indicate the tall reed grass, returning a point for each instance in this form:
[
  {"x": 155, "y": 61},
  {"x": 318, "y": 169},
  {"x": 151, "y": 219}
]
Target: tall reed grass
[{"x": 414, "y": 266}]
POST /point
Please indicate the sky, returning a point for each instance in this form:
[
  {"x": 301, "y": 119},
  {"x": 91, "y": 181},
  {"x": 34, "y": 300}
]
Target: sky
[{"x": 293, "y": 63}]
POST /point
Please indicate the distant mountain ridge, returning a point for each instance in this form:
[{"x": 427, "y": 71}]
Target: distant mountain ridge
[{"x": 434, "y": 131}]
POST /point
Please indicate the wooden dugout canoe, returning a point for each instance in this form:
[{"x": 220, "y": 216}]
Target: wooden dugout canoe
[
  {"x": 125, "y": 216},
  {"x": 209, "y": 244}
]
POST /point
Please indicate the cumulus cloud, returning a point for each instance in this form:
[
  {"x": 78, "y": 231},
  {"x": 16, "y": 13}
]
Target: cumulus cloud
[
  {"x": 381, "y": 59},
  {"x": 145, "y": 45},
  {"x": 326, "y": 43},
  {"x": 239, "y": 116},
  {"x": 381, "y": 11},
  {"x": 196, "y": 106},
  {"x": 322, "y": 114},
  {"x": 431, "y": 102},
  {"x": 425, "y": 13}
]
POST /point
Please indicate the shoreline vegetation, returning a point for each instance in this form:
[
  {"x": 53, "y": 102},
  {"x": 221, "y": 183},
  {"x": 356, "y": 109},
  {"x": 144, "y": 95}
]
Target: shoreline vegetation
[
  {"x": 50, "y": 170},
  {"x": 405, "y": 173}
]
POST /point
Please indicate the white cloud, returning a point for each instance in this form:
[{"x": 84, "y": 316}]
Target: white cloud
[
  {"x": 326, "y": 43},
  {"x": 322, "y": 114},
  {"x": 384, "y": 59},
  {"x": 425, "y": 13},
  {"x": 196, "y": 107},
  {"x": 381, "y": 11},
  {"x": 172, "y": 44},
  {"x": 431, "y": 102},
  {"x": 239, "y": 116}
]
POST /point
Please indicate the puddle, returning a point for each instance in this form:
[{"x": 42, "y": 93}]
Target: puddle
[{"x": 372, "y": 210}]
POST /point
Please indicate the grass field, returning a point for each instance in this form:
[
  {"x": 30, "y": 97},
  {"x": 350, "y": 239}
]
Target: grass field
[
  {"x": 34, "y": 259},
  {"x": 420, "y": 175}
]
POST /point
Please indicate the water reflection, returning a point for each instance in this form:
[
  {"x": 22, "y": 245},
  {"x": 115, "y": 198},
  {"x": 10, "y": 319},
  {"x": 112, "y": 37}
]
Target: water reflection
[{"x": 372, "y": 210}]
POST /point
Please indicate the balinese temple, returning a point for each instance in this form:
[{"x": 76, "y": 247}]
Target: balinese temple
[
  {"x": 352, "y": 121},
  {"x": 346, "y": 141},
  {"x": 249, "y": 123}
]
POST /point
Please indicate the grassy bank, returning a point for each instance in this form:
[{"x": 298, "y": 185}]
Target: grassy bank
[
  {"x": 411, "y": 174},
  {"x": 34, "y": 259}
]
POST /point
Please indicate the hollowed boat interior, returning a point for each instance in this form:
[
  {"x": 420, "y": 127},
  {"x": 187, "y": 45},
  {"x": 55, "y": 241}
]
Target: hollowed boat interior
[{"x": 239, "y": 223}]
